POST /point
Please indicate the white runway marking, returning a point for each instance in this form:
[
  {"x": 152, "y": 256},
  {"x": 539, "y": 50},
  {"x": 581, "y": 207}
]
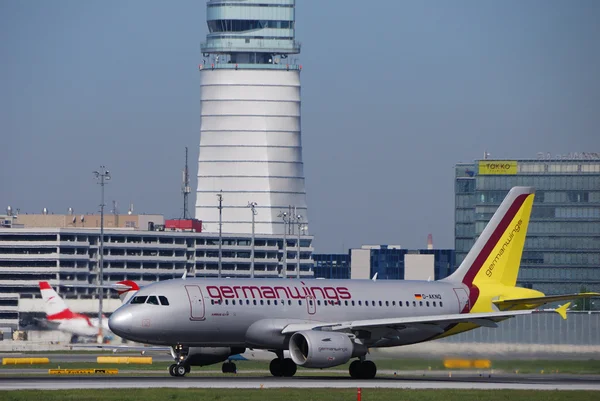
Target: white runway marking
[{"x": 270, "y": 382}]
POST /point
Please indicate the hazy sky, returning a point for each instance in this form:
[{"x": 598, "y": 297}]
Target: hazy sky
[{"x": 394, "y": 93}]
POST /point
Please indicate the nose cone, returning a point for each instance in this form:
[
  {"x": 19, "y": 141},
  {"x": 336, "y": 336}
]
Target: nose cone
[{"x": 120, "y": 322}]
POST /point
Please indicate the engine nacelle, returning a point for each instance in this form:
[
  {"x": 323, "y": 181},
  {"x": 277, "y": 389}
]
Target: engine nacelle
[
  {"x": 202, "y": 356},
  {"x": 322, "y": 349}
]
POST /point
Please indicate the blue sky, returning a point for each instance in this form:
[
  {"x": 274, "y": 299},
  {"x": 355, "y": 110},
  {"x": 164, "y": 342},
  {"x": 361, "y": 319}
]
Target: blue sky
[{"x": 394, "y": 93}]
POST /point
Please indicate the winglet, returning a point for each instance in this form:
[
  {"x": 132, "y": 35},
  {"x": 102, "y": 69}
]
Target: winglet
[
  {"x": 562, "y": 310},
  {"x": 375, "y": 276}
]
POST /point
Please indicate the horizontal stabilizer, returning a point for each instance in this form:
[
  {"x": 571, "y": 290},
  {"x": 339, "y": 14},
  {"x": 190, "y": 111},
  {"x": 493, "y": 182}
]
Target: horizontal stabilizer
[{"x": 517, "y": 303}]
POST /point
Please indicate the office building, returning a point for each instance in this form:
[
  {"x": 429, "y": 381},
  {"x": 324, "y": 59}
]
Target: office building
[
  {"x": 389, "y": 262},
  {"x": 562, "y": 250}
]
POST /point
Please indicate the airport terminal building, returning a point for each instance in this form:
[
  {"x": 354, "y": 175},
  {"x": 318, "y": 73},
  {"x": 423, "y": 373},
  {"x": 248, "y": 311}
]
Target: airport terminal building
[
  {"x": 562, "y": 250},
  {"x": 68, "y": 258}
]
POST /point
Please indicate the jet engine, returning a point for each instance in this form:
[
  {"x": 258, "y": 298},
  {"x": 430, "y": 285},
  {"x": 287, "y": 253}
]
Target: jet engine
[
  {"x": 202, "y": 356},
  {"x": 322, "y": 349}
]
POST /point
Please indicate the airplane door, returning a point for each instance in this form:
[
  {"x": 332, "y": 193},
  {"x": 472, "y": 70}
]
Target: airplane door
[
  {"x": 196, "y": 302},
  {"x": 311, "y": 305},
  {"x": 463, "y": 299}
]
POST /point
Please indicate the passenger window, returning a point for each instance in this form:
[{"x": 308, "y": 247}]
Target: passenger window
[
  {"x": 254, "y": 302},
  {"x": 247, "y": 302},
  {"x": 346, "y": 303},
  {"x": 359, "y": 303},
  {"x": 387, "y": 303},
  {"x": 226, "y": 302},
  {"x": 141, "y": 299},
  {"x": 393, "y": 303},
  {"x": 427, "y": 303},
  {"x": 433, "y": 303},
  {"x": 352, "y": 302},
  {"x": 420, "y": 303},
  {"x": 399, "y": 303},
  {"x": 414, "y": 303},
  {"x": 318, "y": 302},
  {"x": 289, "y": 302},
  {"x": 299, "y": 302},
  {"x": 163, "y": 300},
  {"x": 380, "y": 303},
  {"x": 268, "y": 302},
  {"x": 374, "y": 302},
  {"x": 274, "y": 302},
  {"x": 262, "y": 302},
  {"x": 233, "y": 302},
  {"x": 152, "y": 300},
  {"x": 441, "y": 305}
]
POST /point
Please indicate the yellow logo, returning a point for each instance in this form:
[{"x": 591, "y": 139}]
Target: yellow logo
[
  {"x": 497, "y": 167},
  {"x": 517, "y": 228}
]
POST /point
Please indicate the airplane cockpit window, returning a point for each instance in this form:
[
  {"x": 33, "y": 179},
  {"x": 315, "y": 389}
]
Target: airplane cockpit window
[
  {"x": 152, "y": 300},
  {"x": 140, "y": 299},
  {"x": 163, "y": 300}
]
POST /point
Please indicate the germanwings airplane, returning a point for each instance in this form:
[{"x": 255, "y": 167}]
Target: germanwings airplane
[
  {"x": 325, "y": 323},
  {"x": 60, "y": 317}
]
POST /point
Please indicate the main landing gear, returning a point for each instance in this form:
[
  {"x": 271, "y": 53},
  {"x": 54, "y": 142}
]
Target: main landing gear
[
  {"x": 361, "y": 369},
  {"x": 283, "y": 367}
]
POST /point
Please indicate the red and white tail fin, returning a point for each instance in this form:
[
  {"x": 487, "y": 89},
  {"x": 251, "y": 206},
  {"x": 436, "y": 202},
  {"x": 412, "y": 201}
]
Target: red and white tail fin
[
  {"x": 126, "y": 289},
  {"x": 55, "y": 306}
]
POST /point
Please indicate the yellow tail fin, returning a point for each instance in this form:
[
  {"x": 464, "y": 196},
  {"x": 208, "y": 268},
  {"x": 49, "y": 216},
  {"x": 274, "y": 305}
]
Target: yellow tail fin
[{"x": 496, "y": 255}]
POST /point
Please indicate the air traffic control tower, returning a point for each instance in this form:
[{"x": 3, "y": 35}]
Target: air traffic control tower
[{"x": 250, "y": 142}]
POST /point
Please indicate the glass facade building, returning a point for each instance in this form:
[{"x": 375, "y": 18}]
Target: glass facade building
[
  {"x": 562, "y": 250},
  {"x": 333, "y": 266},
  {"x": 390, "y": 263}
]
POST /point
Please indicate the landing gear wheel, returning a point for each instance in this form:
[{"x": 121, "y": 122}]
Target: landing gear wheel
[
  {"x": 276, "y": 367},
  {"x": 355, "y": 369},
  {"x": 289, "y": 368},
  {"x": 180, "y": 370},
  {"x": 229, "y": 367},
  {"x": 172, "y": 370},
  {"x": 368, "y": 370},
  {"x": 363, "y": 370}
]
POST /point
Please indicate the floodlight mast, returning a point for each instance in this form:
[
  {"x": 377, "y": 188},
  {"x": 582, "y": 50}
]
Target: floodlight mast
[
  {"x": 300, "y": 228},
  {"x": 220, "y": 197},
  {"x": 285, "y": 217},
  {"x": 252, "y": 206},
  {"x": 102, "y": 176}
]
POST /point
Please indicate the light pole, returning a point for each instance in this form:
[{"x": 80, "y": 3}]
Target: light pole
[
  {"x": 284, "y": 217},
  {"x": 252, "y": 206},
  {"x": 220, "y": 196},
  {"x": 102, "y": 176},
  {"x": 299, "y": 221}
]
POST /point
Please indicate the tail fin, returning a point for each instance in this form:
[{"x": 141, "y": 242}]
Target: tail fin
[
  {"x": 54, "y": 305},
  {"x": 126, "y": 289},
  {"x": 496, "y": 255}
]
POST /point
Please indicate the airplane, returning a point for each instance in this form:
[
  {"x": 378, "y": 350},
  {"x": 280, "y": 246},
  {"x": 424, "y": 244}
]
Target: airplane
[
  {"x": 60, "y": 317},
  {"x": 326, "y": 323}
]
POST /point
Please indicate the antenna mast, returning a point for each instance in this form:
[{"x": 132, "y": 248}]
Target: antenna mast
[{"x": 186, "y": 186}]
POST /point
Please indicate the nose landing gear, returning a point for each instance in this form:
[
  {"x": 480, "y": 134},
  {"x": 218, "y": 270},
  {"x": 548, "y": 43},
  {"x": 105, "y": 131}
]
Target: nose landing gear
[
  {"x": 179, "y": 370},
  {"x": 229, "y": 367}
]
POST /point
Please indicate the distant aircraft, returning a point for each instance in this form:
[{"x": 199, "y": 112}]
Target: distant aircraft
[
  {"x": 325, "y": 323},
  {"x": 60, "y": 317}
]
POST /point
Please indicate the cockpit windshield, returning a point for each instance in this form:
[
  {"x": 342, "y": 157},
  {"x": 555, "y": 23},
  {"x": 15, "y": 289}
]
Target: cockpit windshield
[{"x": 140, "y": 299}]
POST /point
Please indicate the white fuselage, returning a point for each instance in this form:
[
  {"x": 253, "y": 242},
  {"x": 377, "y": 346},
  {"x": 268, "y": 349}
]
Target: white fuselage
[{"x": 251, "y": 312}]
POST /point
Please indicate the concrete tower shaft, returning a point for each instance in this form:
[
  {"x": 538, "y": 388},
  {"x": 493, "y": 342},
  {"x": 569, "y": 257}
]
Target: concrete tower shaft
[{"x": 250, "y": 138}]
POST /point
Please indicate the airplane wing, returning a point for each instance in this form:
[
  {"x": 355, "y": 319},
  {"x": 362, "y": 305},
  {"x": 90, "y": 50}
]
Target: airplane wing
[
  {"x": 433, "y": 323},
  {"x": 516, "y": 303}
]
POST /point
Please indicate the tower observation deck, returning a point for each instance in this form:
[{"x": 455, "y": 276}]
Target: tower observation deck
[{"x": 250, "y": 135}]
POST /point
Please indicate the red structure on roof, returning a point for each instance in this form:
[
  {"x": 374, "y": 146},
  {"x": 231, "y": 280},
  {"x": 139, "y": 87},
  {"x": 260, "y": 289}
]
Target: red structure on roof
[{"x": 183, "y": 225}]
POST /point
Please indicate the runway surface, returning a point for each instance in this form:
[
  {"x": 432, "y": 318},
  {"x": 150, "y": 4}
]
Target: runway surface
[{"x": 466, "y": 382}]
